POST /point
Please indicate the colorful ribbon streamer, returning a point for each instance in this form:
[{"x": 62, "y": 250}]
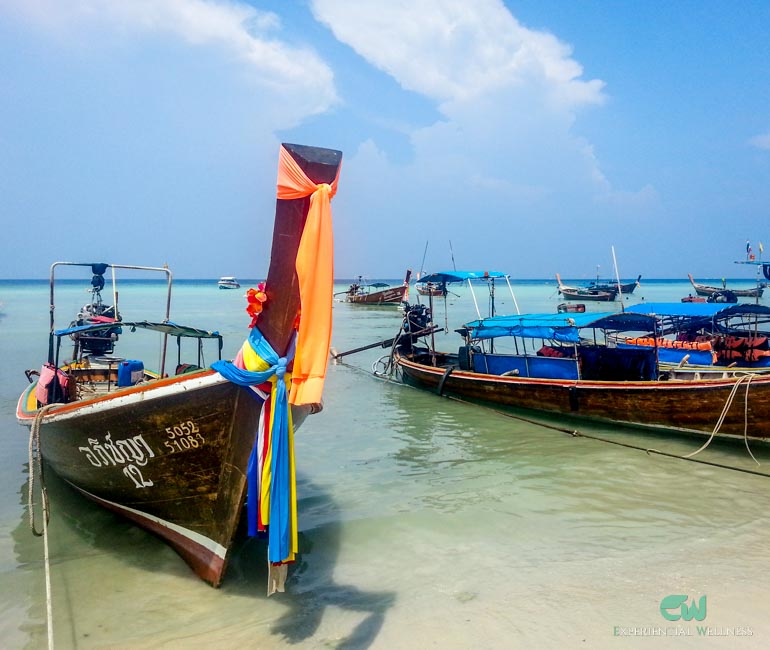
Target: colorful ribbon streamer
[{"x": 271, "y": 496}]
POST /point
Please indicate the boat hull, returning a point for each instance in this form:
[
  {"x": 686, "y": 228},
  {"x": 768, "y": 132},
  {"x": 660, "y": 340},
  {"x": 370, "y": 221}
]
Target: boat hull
[
  {"x": 171, "y": 455},
  {"x": 686, "y": 406},
  {"x": 594, "y": 295},
  {"x": 706, "y": 290},
  {"x": 392, "y": 295}
]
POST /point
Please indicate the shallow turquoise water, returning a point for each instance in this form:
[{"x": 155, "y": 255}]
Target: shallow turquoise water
[{"x": 425, "y": 522}]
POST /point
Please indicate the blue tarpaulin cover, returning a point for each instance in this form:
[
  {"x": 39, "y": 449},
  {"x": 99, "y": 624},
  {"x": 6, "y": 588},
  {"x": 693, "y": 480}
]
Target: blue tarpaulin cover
[
  {"x": 558, "y": 327},
  {"x": 697, "y": 309}
]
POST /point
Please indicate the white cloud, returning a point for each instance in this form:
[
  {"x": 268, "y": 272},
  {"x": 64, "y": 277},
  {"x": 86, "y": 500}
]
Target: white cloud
[
  {"x": 761, "y": 141},
  {"x": 454, "y": 50},
  {"x": 505, "y": 150},
  {"x": 237, "y": 29},
  {"x": 508, "y": 94}
]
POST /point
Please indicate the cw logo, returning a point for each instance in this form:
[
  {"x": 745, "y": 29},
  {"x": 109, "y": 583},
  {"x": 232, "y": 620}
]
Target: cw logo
[{"x": 675, "y": 606}]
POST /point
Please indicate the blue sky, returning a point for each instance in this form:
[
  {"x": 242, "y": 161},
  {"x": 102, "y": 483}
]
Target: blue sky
[{"x": 533, "y": 135}]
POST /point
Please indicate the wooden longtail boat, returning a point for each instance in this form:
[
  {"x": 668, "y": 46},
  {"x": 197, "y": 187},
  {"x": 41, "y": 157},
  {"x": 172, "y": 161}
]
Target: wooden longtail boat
[
  {"x": 434, "y": 289},
  {"x": 586, "y": 293},
  {"x": 377, "y": 293},
  {"x": 568, "y": 376},
  {"x": 170, "y": 449},
  {"x": 706, "y": 290},
  {"x": 611, "y": 285}
]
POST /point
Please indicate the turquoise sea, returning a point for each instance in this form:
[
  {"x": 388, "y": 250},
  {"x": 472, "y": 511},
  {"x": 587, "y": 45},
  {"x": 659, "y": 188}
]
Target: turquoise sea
[{"x": 425, "y": 522}]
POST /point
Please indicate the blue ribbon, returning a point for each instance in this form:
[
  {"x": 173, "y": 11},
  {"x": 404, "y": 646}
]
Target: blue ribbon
[{"x": 279, "y": 543}]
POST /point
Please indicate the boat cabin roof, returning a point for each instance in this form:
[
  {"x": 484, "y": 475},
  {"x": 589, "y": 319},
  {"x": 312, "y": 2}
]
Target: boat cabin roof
[
  {"x": 165, "y": 328},
  {"x": 558, "y": 327},
  {"x": 702, "y": 315},
  {"x": 461, "y": 276}
]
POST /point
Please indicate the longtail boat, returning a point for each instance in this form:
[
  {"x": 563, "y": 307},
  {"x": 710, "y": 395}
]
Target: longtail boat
[
  {"x": 377, "y": 293},
  {"x": 706, "y": 290},
  {"x": 585, "y": 293},
  {"x": 572, "y": 365},
  {"x": 434, "y": 289},
  {"x": 612, "y": 285},
  {"x": 181, "y": 449}
]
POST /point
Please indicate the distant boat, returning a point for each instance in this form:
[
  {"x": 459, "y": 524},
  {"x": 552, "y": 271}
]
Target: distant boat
[
  {"x": 377, "y": 293},
  {"x": 586, "y": 293},
  {"x": 611, "y": 285},
  {"x": 228, "y": 282},
  {"x": 706, "y": 290},
  {"x": 435, "y": 289},
  {"x": 571, "y": 308}
]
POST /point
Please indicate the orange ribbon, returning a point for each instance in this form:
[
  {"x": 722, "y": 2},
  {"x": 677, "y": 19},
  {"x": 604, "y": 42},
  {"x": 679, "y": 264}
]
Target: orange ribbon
[{"x": 315, "y": 271}]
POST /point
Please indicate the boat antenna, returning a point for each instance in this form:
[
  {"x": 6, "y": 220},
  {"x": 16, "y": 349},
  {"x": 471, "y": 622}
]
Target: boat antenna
[
  {"x": 454, "y": 266},
  {"x": 424, "y": 255}
]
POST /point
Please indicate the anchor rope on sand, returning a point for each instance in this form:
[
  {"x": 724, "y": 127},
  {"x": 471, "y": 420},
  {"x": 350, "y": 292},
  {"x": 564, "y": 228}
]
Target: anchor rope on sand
[{"x": 35, "y": 468}]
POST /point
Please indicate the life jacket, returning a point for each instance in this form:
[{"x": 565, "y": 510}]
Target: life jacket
[
  {"x": 52, "y": 385},
  {"x": 668, "y": 343}
]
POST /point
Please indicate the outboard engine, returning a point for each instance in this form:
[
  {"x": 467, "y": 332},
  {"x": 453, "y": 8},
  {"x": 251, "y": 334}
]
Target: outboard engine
[
  {"x": 417, "y": 320},
  {"x": 97, "y": 342}
]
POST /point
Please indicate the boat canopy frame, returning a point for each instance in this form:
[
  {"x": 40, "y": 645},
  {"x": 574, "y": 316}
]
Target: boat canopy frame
[
  {"x": 442, "y": 278},
  {"x": 165, "y": 327}
]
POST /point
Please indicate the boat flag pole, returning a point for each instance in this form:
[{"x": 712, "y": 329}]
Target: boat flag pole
[{"x": 617, "y": 277}]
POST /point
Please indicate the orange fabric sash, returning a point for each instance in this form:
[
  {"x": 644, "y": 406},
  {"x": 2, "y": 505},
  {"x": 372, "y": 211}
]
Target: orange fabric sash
[{"x": 315, "y": 271}]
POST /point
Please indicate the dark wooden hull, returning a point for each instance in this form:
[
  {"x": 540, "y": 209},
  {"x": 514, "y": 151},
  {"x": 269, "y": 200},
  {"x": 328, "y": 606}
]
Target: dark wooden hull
[
  {"x": 389, "y": 296},
  {"x": 595, "y": 295},
  {"x": 705, "y": 290},
  {"x": 171, "y": 455},
  {"x": 686, "y": 406},
  {"x": 430, "y": 289}
]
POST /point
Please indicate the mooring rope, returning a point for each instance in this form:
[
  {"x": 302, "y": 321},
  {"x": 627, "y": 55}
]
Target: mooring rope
[
  {"x": 578, "y": 434},
  {"x": 723, "y": 415},
  {"x": 36, "y": 466}
]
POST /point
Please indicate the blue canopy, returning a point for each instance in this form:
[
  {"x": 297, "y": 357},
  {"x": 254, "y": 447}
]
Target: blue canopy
[
  {"x": 461, "y": 276},
  {"x": 697, "y": 309},
  {"x": 694, "y": 316},
  {"x": 679, "y": 309},
  {"x": 558, "y": 327}
]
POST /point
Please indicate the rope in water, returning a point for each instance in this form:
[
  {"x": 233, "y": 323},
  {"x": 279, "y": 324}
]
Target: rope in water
[
  {"x": 648, "y": 450},
  {"x": 578, "y": 434},
  {"x": 36, "y": 467}
]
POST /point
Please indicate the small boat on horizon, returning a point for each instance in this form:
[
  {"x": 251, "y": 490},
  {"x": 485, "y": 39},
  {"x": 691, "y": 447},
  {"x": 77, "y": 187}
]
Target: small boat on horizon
[{"x": 228, "y": 282}]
